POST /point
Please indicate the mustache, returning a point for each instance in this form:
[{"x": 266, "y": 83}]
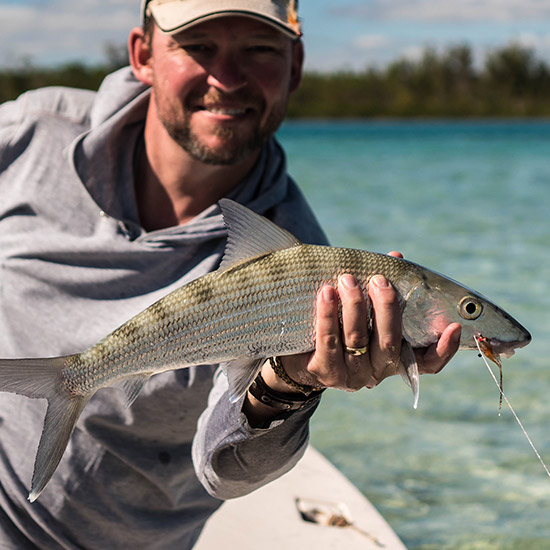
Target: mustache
[{"x": 240, "y": 98}]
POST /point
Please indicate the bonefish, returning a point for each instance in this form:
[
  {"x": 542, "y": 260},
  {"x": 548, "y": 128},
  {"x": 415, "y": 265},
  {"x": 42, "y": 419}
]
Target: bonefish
[{"x": 259, "y": 303}]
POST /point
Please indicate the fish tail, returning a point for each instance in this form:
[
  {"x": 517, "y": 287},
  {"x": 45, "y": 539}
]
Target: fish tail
[{"x": 42, "y": 379}]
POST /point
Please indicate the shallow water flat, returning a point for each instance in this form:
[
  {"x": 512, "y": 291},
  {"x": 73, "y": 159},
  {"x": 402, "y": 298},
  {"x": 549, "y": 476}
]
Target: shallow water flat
[{"x": 471, "y": 200}]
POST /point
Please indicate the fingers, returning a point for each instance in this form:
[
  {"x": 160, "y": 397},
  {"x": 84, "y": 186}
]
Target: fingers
[
  {"x": 328, "y": 350},
  {"x": 331, "y": 364},
  {"x": 386, "y": 338},
  {"x": 355, "y": 332},
  {"x": 324, "y": 366},
  {"x": 354, "y": 313}
]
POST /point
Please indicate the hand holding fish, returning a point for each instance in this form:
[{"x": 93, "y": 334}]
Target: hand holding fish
[{"x": 329, "y": 365}]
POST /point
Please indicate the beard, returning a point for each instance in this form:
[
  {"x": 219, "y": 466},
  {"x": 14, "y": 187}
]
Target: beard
[{"x": 237, "y": 144}]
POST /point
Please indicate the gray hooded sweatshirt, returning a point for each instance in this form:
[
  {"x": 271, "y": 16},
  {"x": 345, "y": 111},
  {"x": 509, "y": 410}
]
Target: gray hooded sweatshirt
[{"x": 75, "y": 264}]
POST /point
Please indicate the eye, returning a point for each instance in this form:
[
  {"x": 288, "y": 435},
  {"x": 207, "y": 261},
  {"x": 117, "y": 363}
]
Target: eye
[
  {"x": 195, "y": 49},
  {"x": 469, "y": 308},
  {"x": 263, "y": 48}
]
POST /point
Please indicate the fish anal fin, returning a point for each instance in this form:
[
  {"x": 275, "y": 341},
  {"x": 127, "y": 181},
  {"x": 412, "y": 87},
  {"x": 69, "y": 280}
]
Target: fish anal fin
[
  {"x": 250, "y": 235},
  {"x": 409, "y": 370},
  {"x": 240, "y": 374}
]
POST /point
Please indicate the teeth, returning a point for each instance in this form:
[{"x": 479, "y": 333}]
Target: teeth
[{"x": 226, "y": 111}]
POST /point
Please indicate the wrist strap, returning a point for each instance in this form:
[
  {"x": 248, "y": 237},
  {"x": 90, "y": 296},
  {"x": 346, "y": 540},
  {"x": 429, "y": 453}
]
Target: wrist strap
[
  {"x": 277, "y": 366},
  {"x": 281, "y": 401}
]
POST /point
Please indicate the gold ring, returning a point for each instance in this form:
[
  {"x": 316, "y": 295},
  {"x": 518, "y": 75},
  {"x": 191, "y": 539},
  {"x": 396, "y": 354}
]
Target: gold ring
[{"x": 356, "y": 352}]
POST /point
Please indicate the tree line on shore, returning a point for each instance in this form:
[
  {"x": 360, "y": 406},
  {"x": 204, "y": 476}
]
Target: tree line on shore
[{"x": 512, "y": 82}]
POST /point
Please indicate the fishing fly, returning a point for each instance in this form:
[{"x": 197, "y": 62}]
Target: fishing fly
[{"x": 485, "y": 350}]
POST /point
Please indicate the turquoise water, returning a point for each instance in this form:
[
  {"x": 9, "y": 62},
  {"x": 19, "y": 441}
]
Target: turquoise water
[{"x": 471, "y": 200}]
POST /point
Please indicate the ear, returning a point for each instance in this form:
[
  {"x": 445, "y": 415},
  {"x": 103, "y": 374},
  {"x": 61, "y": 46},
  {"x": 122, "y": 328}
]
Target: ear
[
  {"x": 297, "y": 65},
  {"x": 139, "y": 49}
]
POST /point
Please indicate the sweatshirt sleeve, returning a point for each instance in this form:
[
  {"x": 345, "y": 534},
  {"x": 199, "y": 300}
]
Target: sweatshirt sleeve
[{"x": 231, "y": 458}]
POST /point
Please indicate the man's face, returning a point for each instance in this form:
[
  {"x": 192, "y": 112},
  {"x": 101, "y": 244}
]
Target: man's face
[{"x": 221, "y": 88}]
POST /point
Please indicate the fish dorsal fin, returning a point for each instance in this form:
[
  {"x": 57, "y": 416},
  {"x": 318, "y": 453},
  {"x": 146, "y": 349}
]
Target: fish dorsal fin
[{"x": 250, "y": 235}]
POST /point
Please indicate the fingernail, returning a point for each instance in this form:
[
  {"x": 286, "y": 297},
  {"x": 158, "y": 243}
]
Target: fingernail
[
  {"x": 380, "y": 281},
  {"x": 348, "y": 281},
  {"x": 328, "y": 294}
]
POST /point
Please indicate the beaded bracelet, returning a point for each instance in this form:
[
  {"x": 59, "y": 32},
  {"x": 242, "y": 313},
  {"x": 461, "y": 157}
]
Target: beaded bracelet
[{"x": 277, "y": 366}]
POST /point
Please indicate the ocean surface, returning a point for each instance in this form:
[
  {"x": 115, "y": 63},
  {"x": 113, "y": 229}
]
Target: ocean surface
[{"x": 470, "y": 200}]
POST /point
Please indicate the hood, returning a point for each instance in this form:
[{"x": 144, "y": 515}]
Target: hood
[{"x": 104, "y": 157}]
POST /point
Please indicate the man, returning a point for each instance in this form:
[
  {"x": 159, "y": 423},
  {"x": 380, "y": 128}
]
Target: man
[{"x": 107, "y": 203}]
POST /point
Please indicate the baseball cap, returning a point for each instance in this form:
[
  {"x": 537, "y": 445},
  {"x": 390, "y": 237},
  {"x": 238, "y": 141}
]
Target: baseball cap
[{"x": 172, "y": 16}]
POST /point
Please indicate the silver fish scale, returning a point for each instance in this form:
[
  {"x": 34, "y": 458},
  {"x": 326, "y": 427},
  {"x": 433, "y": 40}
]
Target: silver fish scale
[
  {"x": 251, "y": 308},
  {"x": 258, "y": 308}
]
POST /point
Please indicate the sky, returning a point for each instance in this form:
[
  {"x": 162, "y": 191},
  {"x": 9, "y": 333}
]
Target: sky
[{"x": 338, "y": 34}]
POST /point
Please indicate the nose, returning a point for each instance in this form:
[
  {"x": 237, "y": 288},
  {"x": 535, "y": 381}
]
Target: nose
[{"x": 226, "y": 74}]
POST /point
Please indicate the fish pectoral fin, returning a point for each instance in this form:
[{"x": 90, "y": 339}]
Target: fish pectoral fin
[
  {"x": 250, "y": 235},
  {"x": 408, "y": 369},
  {"x": 132, "y": 386},
  {"x": 240, "y": 374}
]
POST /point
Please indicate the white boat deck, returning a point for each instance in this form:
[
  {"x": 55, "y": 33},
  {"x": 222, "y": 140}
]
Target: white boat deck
[{"x": 269, "y": 519}]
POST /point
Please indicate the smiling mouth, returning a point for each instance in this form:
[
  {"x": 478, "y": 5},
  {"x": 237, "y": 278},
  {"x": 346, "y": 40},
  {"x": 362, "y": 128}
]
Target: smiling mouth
[{"x": 225, "y": 111}]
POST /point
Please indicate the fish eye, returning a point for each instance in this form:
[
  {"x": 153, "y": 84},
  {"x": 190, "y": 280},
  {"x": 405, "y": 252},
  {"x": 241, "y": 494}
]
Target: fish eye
[{"x": 469, "y": 308}]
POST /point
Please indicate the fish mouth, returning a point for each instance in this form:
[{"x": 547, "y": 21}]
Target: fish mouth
[{"x": 507, "y": 349}]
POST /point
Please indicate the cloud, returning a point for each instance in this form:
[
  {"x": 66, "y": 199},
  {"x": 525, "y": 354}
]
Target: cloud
[
  {"x": 51, "y": 32},
  {"x": 413, "y": 52},
  {"x": 448, "y": 11},
  {"x": 66, "y": 15},
  {"x": 13, "y": 15},
  {"x": 371, "y": 42},
  {"x": 47, "y": 31},
  {"x": 534, "y": 41}
]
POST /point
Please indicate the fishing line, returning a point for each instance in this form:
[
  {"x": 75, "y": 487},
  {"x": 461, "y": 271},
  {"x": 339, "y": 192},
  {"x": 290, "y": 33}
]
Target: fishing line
[{"x": 503, "y": 395}]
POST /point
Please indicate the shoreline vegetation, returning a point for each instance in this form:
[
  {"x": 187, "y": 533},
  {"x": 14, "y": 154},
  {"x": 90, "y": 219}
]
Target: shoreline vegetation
[{"x": 511, "y": 82}]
